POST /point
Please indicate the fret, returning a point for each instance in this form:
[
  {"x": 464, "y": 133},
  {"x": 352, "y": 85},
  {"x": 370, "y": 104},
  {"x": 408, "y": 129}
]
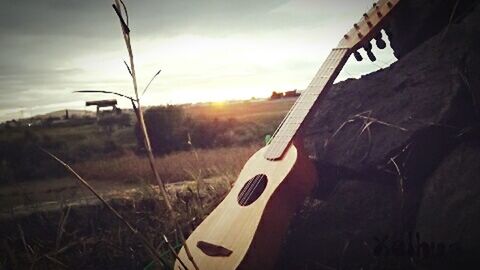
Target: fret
[
  {"x": 295, "y": 119},
  {"x": 307, "y": 102},
  {"x": 280, "y": 140},
  {"x": 287, "y": 130},
  {"x": 290, "y": 124}
]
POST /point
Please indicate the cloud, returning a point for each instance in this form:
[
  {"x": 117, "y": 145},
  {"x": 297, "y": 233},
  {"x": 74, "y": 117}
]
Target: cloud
[{"x": 206, "y": 48}]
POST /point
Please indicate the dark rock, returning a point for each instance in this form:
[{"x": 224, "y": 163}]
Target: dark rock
[
  {"x": 377, "y": 141},
  {"x": 334, "y": 232},
  {"x": 424, "y": 98},
  {"x": 450, "y": 209},
  {"x": 415, "y": 21}
]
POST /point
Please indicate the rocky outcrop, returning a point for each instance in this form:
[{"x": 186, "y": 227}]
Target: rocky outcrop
[
  {"x": 363, "y": 123},
  {"x": 397, "y": 154},
  {"x": 417, "y": 21},
  {"x": 332, "y": 231},
  {"x": 450, "y": 207}
]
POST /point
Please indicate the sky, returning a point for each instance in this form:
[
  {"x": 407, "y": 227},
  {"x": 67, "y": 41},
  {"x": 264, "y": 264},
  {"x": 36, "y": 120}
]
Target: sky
[{"x": 208, "y": 50}]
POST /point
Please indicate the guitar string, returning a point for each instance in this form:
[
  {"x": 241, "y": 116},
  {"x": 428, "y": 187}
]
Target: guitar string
[
  {"x": 272, "y": 147},
  {"x": 274, "y": 144},
  {"x": 292, "y": 109},
  {"x": 332, "y": 59},
  {"x": 325, "y": 69},
  {"x": 330, "y": 63},
  {"x": 249, "y": 216}
]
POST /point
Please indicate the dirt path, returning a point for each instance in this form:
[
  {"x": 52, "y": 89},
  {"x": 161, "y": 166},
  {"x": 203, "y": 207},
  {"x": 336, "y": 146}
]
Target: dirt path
[{"x": 50, "y": 195}]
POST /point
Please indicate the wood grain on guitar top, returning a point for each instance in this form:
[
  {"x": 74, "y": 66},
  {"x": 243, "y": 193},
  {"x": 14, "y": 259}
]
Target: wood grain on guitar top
[{"x": 249, "y": 237}]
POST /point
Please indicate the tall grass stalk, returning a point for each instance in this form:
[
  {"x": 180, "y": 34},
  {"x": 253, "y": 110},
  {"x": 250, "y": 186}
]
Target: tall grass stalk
[{"x": 117, "y": 6}]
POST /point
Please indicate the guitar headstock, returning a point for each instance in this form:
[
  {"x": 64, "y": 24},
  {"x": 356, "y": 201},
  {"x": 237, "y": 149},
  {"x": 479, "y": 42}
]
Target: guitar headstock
[{"x": 367, "y": 28}]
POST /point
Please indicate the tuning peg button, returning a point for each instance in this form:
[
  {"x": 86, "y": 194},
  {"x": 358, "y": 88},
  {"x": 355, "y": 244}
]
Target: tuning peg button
[
  {"x": 371, "y": 56},
  {"x": 367, "y": 46},
  {"x": 389, "y": 33},
  {"x": 358, "y": 56},
  {"x": 379, "y": 41},
  {"x": 381, "y": 44}
]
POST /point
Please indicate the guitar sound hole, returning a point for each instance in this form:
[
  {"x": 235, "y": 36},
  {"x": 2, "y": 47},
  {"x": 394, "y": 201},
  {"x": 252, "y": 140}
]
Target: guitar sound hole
[{"x": 252, "y": 190}]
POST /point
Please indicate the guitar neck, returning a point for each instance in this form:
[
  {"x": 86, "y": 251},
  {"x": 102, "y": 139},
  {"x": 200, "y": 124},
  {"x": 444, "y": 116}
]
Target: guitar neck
[{"x": 304, "y": 105}]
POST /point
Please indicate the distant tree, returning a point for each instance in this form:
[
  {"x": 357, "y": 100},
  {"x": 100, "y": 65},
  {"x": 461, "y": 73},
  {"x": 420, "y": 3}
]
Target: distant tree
[
  {"x": 166, "y": 128},
  {"x": 276, "y": 95},
  {"x": 123, "y": 120},
  {"x": 169, "y": 128},
  {"x": 109, "y": 121}
]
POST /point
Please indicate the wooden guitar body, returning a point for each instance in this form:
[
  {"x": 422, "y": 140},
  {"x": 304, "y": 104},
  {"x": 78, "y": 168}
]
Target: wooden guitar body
[{"x": 236, "y": 236}]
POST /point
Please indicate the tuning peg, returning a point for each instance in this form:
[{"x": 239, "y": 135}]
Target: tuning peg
[
  {"x": 358, "y": 56},
  {"x": 367, "y": 46},
  {"x": 368, "y": 49},
  {"x": 389, "y": 33},
  {"x": 381, "y": 44},
  {"x": 371, "y": 56},
  {"x": 377, "y": 8}
]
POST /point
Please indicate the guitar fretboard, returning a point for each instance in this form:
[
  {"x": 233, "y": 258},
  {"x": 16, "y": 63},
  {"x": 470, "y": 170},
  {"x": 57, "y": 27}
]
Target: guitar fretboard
[{"x": 304, "y": 104}]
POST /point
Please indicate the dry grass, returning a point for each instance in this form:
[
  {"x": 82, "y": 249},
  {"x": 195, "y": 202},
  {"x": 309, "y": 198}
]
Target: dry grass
[
  {"x": 180, "y": 166},
  {"x": 88, "y": 237},
  {"x": 246, "y": 110}
]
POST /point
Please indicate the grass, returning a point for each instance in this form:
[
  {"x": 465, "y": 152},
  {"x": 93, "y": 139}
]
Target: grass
[
  {"x": 242, "y": 110},
  {"x": 179, "y": 166},
  {"x": 128, "y": 172},
  {"x": 87, "y": 236}
]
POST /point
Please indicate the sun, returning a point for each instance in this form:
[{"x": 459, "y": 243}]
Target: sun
[{"x": 219, "y": 104}]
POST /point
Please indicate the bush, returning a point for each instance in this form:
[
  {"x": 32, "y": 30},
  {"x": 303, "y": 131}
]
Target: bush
[
  {"x": 23, "y": 159},
  {"x": 169, "y": 129},
  {"x": 165, "y": 126}
]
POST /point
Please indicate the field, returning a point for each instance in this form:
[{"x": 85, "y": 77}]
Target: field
[
  {"x": 244, "y": 110},
  {"x": 48, "y": 220}
]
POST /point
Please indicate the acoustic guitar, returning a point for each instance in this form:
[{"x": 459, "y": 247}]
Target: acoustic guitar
[{"x": 246, "y": 229}]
